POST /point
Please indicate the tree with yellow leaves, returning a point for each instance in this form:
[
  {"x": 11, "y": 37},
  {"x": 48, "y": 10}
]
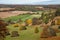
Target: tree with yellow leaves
[{"x": 28, "y": 21}]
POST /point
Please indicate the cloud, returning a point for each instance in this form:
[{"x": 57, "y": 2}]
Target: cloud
[
  {"x": 47, "y": 2},
  {"x": 40, "y": 0},
  {"x": 34, "y": 2},
  {"x": 20, "y": 1}
]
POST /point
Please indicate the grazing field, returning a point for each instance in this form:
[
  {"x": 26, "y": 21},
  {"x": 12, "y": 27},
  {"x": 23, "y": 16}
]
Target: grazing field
[
  {"x": 15, "y": 18},
  {"x": 29, "y": 33},
  {"x": 25, "y": 34},
  {"x": 28, "y": 22},
  {"x": 22, "y": 17}
]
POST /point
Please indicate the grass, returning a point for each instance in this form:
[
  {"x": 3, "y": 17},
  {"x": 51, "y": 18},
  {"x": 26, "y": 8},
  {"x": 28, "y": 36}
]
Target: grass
[
  {"x": 15, "y": 18},
  {"x": 22, "y": 17},
  {"x": 25, "y": 34}
]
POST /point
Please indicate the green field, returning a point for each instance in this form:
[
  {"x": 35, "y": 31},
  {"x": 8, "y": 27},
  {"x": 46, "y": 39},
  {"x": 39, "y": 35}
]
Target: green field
[
  {"x": 25, "y": 34},
  {"x": 22, "y": 17}
]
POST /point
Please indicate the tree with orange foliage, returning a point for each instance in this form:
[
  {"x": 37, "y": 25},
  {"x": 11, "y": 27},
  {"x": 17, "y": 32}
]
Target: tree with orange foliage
[
  {"x": 48, "y": 32},
  {"x": 28, "y": 21},
  {"x": 3, "y": 29}
]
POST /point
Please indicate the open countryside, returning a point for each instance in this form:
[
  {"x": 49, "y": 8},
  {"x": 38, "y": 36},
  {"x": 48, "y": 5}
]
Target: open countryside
[{"x": 30, "y": 23}]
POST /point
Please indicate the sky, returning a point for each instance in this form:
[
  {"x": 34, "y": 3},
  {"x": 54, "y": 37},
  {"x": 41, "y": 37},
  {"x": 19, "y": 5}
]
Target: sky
[{"x": 33, "y": 2}]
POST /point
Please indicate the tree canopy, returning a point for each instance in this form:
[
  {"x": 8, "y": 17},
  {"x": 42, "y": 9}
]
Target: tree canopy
[{"x": 57, "y": 12}]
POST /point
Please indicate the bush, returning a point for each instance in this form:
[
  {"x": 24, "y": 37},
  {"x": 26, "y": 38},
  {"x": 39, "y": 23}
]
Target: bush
[
  {"x": 37, "y": 12},
  {"x": 23, "y": 28},
  {"x": 36, "y": 30},
  {"x": 28, "y": 21},
  {"x": 16, "y": 25},
  {"x": 35, "y": 21},
  {"x": 19, "y": 21},
  {"x": 14, "y": 34},
  {"x": 10, "y": 21}
]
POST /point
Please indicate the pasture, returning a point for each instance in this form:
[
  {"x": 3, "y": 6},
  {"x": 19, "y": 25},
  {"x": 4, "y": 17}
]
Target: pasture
[{"x": 25, "y": 34}]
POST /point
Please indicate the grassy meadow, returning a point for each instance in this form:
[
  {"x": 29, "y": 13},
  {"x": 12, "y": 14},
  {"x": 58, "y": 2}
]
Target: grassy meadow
[{"x": 24, "y": 34}]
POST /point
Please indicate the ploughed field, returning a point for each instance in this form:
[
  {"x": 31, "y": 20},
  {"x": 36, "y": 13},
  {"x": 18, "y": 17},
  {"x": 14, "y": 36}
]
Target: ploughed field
[{"x": 13, "y": 13}]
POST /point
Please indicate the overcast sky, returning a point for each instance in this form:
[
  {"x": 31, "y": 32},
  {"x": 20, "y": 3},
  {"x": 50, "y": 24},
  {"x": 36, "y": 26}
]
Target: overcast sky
[{"x": 29, "y": 1}]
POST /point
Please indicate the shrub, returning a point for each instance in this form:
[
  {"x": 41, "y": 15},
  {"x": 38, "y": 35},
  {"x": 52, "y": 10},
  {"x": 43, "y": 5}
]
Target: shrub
[
  {"x": 11, "y": 22},
  {"x": 23, "y": 28},
  {"x": 3, "y": 29},
  {"x": 36, "y": 30},
  {"x": 16, "y": 25},
  {"x": 35, "y": 21},
  {"x": 37, "y": 12},
  {"x": 14, "y": 34},
  {"x": 28, "y": 21}
]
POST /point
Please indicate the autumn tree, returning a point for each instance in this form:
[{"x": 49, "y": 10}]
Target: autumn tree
[{"x": 57, "y": 12}]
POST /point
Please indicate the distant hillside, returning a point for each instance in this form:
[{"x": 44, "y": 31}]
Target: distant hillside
[{"x": 12, "y": 6}]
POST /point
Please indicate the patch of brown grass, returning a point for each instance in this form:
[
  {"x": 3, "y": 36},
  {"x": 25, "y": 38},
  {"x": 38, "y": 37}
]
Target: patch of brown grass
[{"x": 51, "y": 38}]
